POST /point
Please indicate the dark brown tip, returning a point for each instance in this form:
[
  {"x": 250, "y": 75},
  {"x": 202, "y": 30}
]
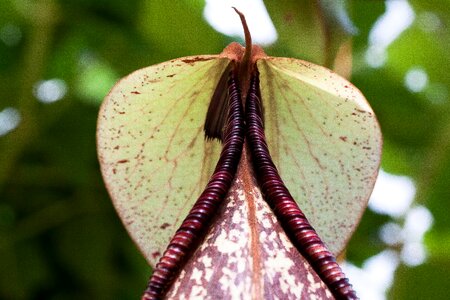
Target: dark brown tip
[{"x": 248, "y": 37}]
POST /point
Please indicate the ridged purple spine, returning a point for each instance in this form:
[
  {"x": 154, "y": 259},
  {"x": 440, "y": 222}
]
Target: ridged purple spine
[
  {"x": 292, "y": 219},
  {"x": 194, "y": 226}
]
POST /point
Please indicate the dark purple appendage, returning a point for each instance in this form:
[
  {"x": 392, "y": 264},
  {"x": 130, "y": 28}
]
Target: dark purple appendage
[
  {"x": 285, "y": 208},
  {"x": 198, "y": 219}
]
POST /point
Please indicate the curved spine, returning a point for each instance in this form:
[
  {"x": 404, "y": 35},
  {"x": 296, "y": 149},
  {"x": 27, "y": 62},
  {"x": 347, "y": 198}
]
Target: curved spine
[
  {"x": 194, "y": 226},
  {"x": 292, "y": 219}
]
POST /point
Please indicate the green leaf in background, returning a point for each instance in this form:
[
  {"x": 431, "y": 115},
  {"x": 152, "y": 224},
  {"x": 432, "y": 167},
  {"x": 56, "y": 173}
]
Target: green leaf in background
[
  {"x": 180, "y": 30},
  {"x": 411, "y": 100},
  {"x": 310, "y": 30},
  {"x": 423, "y": 282},
  {"x": 301, "y": 32},
  {"x": 95, "y": 80}
]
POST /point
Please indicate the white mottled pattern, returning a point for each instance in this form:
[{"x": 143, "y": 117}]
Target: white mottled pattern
[{"x": 246, "y": 254}]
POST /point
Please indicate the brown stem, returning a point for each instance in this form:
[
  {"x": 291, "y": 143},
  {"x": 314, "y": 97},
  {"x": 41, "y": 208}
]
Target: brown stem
[{"x": 245, "y": 68}]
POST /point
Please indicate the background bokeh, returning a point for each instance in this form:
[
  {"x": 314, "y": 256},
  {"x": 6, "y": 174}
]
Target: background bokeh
[{"x": 59, "y": 235}]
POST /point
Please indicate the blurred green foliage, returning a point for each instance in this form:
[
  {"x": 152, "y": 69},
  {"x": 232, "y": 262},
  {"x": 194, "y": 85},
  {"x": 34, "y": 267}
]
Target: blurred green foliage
[{"x": 59, "y": 235}]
